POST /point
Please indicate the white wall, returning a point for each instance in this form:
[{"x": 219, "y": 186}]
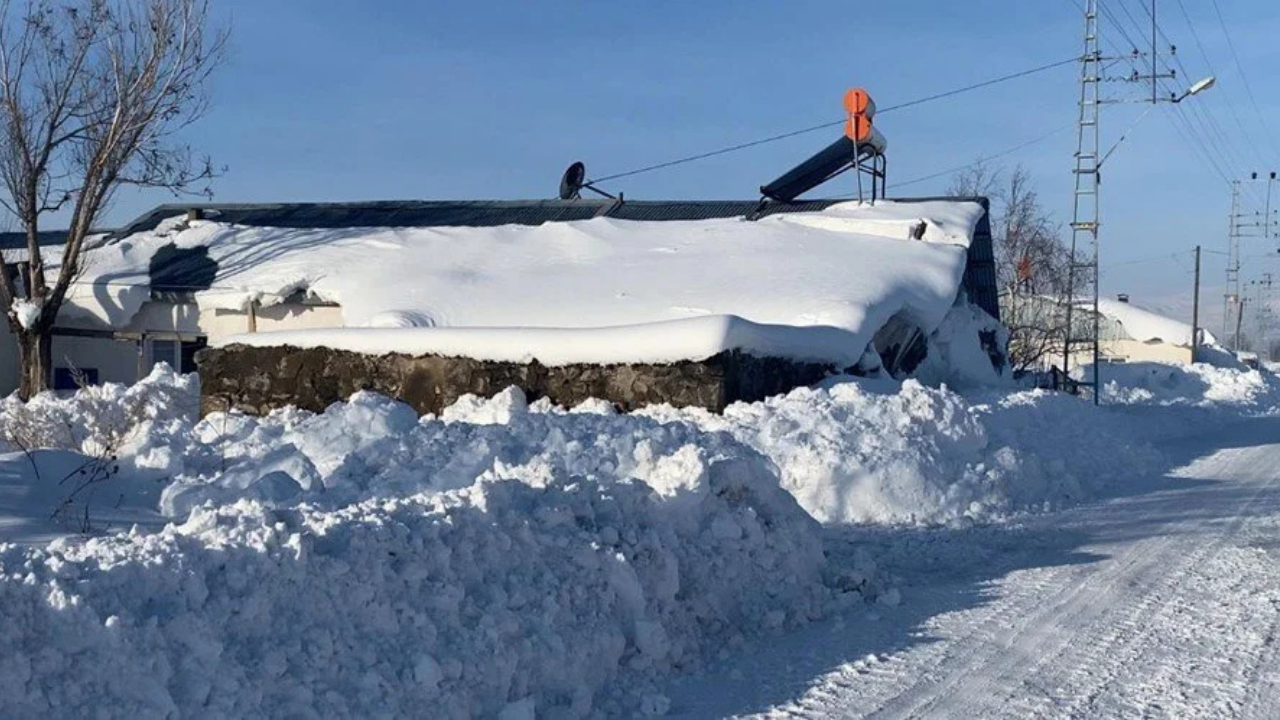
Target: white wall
[
  {"x": 1131, "y": 351},
  {"x": 118, "y": 360},
  {"x": 219, "y": 324}
]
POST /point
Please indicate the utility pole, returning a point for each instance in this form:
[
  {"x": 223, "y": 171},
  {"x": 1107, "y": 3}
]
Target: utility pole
[
  {"x": 1195, "y": 311},
  {"x": 1154, "y": 72},
  {"x": 1267, "y": 218},
  {"x": 1231, "y": 300},
  {"x": 1239, "y": 317},
  {"x": 1262, "y": 312}
]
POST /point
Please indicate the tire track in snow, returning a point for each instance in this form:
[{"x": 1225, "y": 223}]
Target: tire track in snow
[
  {"x": 979, "y": 680},
  {"x": 1087, "y": 641}
]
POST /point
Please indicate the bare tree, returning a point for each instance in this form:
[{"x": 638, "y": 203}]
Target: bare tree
[
  {"x": 1032, "y": 262},
  {"x": 92, "y": 94}
]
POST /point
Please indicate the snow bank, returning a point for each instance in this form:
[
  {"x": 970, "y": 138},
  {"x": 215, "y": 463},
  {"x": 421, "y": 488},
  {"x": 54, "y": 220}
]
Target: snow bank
[
  {"x": 144, "y": 424},
  {"x": 498, "y": 555},
  {"x": 1199, "y": 385},
  {"x": 825, "y": 280},
  {"x": 928, "y": 456},
  {"x": 460, "y": 602},
  {"x": 507, "y": 555}
]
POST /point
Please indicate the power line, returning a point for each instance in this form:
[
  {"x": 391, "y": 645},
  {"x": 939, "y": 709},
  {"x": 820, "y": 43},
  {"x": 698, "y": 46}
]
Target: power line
[
  {"x": 988, "y": 158},
  {"x": 793, "y": 133},
  {"x": 1221, "y": 142},
  {"x": 1243, "y": 76},
  {"x": 1149, "y": 258},
  {"x": 983, "y": 84},
  {"x": 1198, "y": 126},
  {"x": 1188, "y": 134},
  {"x": 1204, "y": 55},
  {"x": 984, "y": 159}
]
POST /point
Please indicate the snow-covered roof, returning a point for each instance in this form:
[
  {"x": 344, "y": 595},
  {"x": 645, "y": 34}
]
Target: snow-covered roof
[
  {"x": 1146, "y": 325},
  {"x": 810, "y": 285}
]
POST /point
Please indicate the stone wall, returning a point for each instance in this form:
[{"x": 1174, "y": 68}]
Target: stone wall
[{"x": 258, "y": 379}]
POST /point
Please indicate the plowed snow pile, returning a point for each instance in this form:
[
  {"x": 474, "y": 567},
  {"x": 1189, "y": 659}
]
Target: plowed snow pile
[
  {"x": 927, "y": 456},
  {"x": 505, "y": 556},
  {"x": 1200, "y": 385},
  {"x": 467, "y": 568}
]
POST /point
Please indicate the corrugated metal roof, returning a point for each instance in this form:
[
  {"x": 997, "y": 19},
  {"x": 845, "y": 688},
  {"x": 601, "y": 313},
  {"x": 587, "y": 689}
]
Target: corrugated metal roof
[
  {"x": 18, "y": 240},
  {"x": 393, "y": 213}
]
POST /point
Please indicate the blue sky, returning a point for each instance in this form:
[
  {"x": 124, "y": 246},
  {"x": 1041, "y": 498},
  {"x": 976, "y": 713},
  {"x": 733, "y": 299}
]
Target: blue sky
[{"x": 334, "y": 100}]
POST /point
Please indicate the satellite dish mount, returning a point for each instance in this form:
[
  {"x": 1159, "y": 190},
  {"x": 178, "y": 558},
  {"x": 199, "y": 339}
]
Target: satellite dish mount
[{"x": 575, "y": 180}]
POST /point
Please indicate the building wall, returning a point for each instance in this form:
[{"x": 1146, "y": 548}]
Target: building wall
[
  {"x": 112, "y": 360},
  {"x": 218, "y": 324},
  {"x": 1131, "y": 351},
  {"x": 130, "y": 355}
]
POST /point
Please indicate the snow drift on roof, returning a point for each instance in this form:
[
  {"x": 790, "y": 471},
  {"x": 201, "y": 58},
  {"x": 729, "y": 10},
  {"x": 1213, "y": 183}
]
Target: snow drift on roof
[
  {"x": 816, "y": 285},
  {"x": 1146, "y": 326}
]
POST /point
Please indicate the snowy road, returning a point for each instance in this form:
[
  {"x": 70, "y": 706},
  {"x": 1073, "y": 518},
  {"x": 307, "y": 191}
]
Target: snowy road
[{"x": 1162, "y": 602}]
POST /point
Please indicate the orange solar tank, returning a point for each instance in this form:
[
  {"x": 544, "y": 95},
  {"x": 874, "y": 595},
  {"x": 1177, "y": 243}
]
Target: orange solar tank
[{"x": 861, "y": 109}]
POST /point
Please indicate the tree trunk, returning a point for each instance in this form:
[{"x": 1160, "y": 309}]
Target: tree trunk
[{"x": 35, "y": 360}]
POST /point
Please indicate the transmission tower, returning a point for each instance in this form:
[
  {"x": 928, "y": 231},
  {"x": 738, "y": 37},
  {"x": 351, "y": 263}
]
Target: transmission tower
[
  {"x": 1242, "y": 225},
  {"x": 1082, "y": 274},
  {"x": 1082, "y": 270}
]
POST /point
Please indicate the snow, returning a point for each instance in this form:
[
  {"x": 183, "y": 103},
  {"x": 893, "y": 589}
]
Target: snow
[
  {"x": 807, "y": 284},
  {"x": 927, "y": 456},
  {"x": 660, "y": 342},
  {"x": 363, "y": 562},
  {"x": 1148, "y": 326},
  {"x": 514, "y": 558},
  {"x": 1160, "y": 602},
  {"x": 26, "y": 312},
  {"x": 1201, "y": 385}
]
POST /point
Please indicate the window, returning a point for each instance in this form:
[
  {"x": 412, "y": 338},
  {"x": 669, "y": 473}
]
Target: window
[
  {"x": 180, "y": 354},
  {"x": 66, "y": 378},
  {"x": 164, "y": 351}
]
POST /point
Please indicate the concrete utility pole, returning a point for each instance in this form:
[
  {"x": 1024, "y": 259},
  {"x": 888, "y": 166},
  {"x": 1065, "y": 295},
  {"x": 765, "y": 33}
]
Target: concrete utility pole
[
  {"x": 1262, "y": 313},
  {"x": 1231, "y": 299},
  {"x": 1195, "y": 311},
  {"x": 1239, "y": 316}
]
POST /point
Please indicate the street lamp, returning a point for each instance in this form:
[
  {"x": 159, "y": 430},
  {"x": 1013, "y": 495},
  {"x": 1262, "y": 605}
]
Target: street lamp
[
  {"x": 1196, "y": 89},
  {"x": 1199, "y": 87}
]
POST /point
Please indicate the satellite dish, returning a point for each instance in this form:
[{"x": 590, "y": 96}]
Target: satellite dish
[{"x": 572, "y": 181}]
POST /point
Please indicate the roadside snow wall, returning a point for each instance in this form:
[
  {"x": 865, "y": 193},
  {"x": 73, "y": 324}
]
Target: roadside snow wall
[
  {"x": 514, "y": 556},
  {"x": 365, "y": 563}
]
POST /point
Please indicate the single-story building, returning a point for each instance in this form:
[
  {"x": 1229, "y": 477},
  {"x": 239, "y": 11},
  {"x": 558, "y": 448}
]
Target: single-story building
[
  {"x": 813, "y": 280},
  {"x": 1127, "y": 332}
]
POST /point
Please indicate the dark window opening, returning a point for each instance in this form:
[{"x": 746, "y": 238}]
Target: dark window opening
[
  {"x": 67, "y": 378},
  {"x": 189, "y": 350}
]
